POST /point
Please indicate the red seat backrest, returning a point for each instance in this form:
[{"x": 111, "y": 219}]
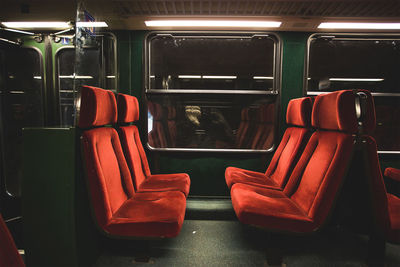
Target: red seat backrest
[
  {"x": 130, "y": 138},
  {"x": 109, "y": 179},
  {"x": 320, "y": 171},
  {"x": 298, "y": 116}
]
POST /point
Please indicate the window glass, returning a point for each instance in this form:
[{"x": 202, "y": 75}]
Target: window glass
[
  {"x": 204, "y": 121},
  {"x": 21, "y": 106},
  {"x": 95, "y": 66},
  {"x": 340, "y": 61},
  {"x": 387, "y": 131},
  {"x": 348, "y": 63},
  {"x": 212, "y": 62},
  {"x": 212, "y": 90}
]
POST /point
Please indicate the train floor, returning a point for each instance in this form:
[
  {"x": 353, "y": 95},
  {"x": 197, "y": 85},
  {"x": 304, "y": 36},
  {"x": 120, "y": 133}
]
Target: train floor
[{"x": 223, "y": 241}]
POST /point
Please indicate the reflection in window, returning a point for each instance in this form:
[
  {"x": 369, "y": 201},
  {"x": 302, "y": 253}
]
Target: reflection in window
[
  {"x": 21, "y": 95},
  {"x": 341, "y": 61},
  {"x": 211, "y": 122},
  {"x": 212, "y": 90}
]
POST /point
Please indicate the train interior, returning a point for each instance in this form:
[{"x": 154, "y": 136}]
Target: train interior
[{"x": 200, "y": 133}]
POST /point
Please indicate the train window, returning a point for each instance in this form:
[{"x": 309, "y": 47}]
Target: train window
[
  {"x": 212, "y": 91},
  {"x": 21, "y": 106},
  {"x": 343, "y": 61},
  {"x": 96, "y": 66}
]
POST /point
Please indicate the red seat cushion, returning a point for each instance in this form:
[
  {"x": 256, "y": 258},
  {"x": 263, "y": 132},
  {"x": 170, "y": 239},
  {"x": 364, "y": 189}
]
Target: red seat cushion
[
  {"x": 235, "y": 175},
  {"x": 268, "y": 208},
  {"x": 166, "y": 182},
  {"x": 149, "y": 215},
  {"x": 394, "y": 213}
]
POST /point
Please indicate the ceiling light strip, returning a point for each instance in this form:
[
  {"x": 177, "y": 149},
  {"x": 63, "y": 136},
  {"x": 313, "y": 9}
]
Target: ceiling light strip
[
  {"x": 364, "y": 26},
  {"x": 213, "y": 23},
  {"x": 36, "y": 24},
  {"x": 356, "y": 79}
]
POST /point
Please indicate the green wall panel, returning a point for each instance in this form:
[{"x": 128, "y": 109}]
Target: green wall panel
[
  {"x": 56, "y": 221},
  {"x": 207, "y": 169},
  {"x": 294, "y": 49}
]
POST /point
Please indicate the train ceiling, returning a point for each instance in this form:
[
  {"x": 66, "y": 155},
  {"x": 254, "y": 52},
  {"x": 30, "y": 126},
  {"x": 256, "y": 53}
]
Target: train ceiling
[{"x": 302, "y": 15}]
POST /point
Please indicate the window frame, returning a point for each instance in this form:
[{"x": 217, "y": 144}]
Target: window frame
[
  {"x": 44, "y": 110},
  {"x": 348, "y": 36},
  {"x": 276, "y": 87},
  {"x": 103, "y": 74}
]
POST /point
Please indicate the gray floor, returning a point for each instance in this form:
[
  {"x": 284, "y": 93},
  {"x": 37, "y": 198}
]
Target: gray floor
[{"x": 229, "y": 243}]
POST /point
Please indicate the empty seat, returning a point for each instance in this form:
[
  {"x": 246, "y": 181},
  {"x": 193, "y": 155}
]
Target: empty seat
[
  {"x": 385, "y": 206},
  {"x": 119, "y": 210},
  {"x": 9, "y": 255},
  {"x": 144, "y": 181},
  {"x": 308, "y": 197},
  {"x": 298, "y": 116}
]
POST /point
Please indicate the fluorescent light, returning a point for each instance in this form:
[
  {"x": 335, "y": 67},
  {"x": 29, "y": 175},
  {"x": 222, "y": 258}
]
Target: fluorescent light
[
  {"x": 356, "y": 79},
  {"x": 263, "y": 78},
  {"x": 152, "y": 76},
  {"x": 213, "y": 23},
  {"x": 189, "y": 76},
  {"x": 37, "y": 77},
  {"x": 90, "y": 24},
  {"x": 218, "y": 77},
  {"x": 76, "y": 77},
  {"x": 366, "y": 26},
  {"x": 36, "y": 24},
  {"x": 18, "y": 31},
  {"x": 110, "y": 76}
]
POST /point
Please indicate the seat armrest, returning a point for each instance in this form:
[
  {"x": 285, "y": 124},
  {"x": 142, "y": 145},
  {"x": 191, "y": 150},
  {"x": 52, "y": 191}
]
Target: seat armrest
[{"x": 393, "y": 173}]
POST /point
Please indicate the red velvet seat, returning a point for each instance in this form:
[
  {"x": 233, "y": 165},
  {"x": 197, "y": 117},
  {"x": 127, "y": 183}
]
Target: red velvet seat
[
  {"x": 282, "y": 163},
  {"x": 385, "y": 206},
  {"x": 136, "y": 158},
  {"x": 118, "y": 209},
  {"x": 308, "y": 197},
  {"x": 9, "y": 255}
]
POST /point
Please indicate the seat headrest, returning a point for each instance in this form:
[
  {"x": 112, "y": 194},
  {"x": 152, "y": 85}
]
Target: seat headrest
[
  {"x": 367, "y": 110},
  {"x": 299, "y": 112},
  {"x": 98, "y": 107},
  {"x": 128, "y": 108},
  {"x": 335, "y": 111}
]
